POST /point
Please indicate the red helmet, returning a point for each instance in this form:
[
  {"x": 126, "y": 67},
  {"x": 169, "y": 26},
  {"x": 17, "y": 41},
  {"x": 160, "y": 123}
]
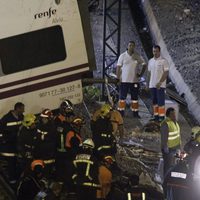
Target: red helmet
[
  {"x": 37, "y": 163},
  {"x": 46, "y": 113}
]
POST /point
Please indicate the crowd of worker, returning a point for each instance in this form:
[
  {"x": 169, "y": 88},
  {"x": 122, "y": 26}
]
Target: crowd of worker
[{"x": 47, "y": 153}]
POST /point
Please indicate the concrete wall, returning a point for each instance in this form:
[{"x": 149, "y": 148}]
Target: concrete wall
[{"x": 175, "y": 76}]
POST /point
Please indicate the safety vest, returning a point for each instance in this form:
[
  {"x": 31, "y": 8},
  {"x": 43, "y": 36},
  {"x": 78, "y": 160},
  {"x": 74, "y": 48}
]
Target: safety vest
[{"x": 174, "y": 133}]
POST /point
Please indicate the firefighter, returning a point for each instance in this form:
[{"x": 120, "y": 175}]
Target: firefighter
[
  {"x": 32, "y": 184},
  {"x": 73, "y": 141},
  {"x": 86, "y": 172},
  {"x": 62, "y": 123},
  {"x": 26, "y": 141},
  {"x": 193, "y": 144},
  {"x": 115, "y": 118},
  {"x": 9, "y": 126},
  {"x": 45, "y": 148},
  {"x": 105, "y": 177},
  {"x": 102, "y": 132},
  {"x": 178, "y": 181}
]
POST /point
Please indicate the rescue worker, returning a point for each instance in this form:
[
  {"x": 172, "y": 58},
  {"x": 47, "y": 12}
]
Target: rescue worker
[
  {"x": 26, "y": 141},
  {"x": 73, "y": 141},
  {"x": 128, "y": 73},
  {"x": 104, "y": 140},
  {"x": 45, "y": 148},
  {"x": 170, "y": 138},
  {"x": 105, "y": 177},
  {"x": 178, "y": 181},
  {"x": 32, "y": 184},
  {"x": 62, "y": 123},
  {"x": 115, "y": 118},
  {"x": 158, "y": 68},
  {"x": 86, "y": 172},
  {"x": 193, "y": 144},
  {"x": 9, "y": 127}
]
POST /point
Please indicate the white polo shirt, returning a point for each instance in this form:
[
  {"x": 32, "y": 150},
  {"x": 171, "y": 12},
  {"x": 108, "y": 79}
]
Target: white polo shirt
[
  {"x": 157, "y": 67},
  {"x": 130, "y": 66}
]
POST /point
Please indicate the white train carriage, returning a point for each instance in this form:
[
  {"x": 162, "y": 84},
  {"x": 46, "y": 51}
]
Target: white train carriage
[{"x": 43, "y": 53}]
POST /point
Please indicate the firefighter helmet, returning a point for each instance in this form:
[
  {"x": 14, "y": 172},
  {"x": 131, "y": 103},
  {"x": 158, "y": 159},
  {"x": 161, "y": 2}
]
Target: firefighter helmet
[
  {"x": 88, "y": 143},
  {"x": 109, "y": 159},
  {"x": 46, "y": 113},
  {"x": 37, "y": 163},
  {"x": 67, "y": 105},
  {"x": 78, "y": 121},
  {"x": 105, "y": 109},
  {"x": 29, "y": 119},
  {"x": 195, "y": 132}
]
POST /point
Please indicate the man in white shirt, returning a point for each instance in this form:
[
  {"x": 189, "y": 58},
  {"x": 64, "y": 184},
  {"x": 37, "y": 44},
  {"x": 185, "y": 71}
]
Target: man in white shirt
[
  {"x": 128, "y": 72},
  {"x": 159, "y": 69}
]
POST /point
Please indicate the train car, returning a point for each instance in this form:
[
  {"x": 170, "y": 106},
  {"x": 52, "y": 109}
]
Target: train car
[{"x": 44, "y": 48}]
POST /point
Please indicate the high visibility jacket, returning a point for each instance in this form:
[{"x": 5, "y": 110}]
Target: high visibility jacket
[
  {"x": 105, "y": 180},
  {"x": 174, "y": 139},
  {"x": 9, "y": 127},
  {"x": 86, "y": 170}
]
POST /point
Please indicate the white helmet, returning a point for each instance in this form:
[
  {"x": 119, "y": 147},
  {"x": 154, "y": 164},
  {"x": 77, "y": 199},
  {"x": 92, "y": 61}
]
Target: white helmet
[{"x": 88, "y": 143}]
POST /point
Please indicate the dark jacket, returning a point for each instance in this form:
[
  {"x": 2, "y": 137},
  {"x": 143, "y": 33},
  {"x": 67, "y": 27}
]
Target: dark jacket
[
  {"x": 9, "y": 127},
  {"x": 45, "y": 147}
]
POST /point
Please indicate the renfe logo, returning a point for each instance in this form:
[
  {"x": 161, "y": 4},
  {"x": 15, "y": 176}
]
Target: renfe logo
[{"x": 48, "y": 14}]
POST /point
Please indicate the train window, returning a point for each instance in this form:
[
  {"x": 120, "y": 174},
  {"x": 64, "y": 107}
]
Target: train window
[{"x": 32, "y": 49}]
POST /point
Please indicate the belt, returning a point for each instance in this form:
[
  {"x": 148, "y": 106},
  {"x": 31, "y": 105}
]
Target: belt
[
  {"x": 8, "y": 154},
  {"x": 49, "y": 161},
  {"x": 91, "y": 185}
]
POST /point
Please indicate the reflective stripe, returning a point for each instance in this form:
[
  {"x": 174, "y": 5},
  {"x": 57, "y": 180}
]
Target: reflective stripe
[
  {"x": 43, "y": 132},
  {"x": 105, "y": 135},
  {"x": 83, "y": 161},
  {"x": 178, "y": 175},
  {"x": 74, "y": 176},
  {"x": 121, "y": 105},
  {"x": 129, "y": 196},
  {"x": 143, "y": 196},
  {"x": 62, "y": 149},
  {"x": 49, "y": 161},
  {"x": 91, "y": 184},
  {"x": 134, "y": 105},
  {"x": 161, "y": 111},
  {"x": 8, "y": 154},
  {"x": 103, "y": 147},
  {"x": 172, "y": 138},
  {"x": 14, "y": 123},
  {"x": 155, "y": 110}
]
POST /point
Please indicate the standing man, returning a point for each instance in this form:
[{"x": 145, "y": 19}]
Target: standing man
[
  {"x": 128, "y": 73},
  {"x": 170, "y": 138},
  {"x": 159, "y": 69},
  {"x": 9, "y": 125}
]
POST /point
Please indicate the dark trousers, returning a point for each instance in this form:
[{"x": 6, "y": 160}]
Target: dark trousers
[
  {"x": 169, "y": 160},
  {"x": 86, "y": 193},
  {"x": 133, "y": 88}
]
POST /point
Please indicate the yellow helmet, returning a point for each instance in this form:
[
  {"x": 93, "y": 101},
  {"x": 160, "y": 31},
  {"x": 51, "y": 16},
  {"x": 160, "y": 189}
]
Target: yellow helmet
[
  {"x": 195, "y": 132},
  {"x": 105, "y": 109},
  {"x": 29, "y": 119}
]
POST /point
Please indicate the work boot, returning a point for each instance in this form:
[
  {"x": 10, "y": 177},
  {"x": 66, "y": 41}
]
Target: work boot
[{"x": 136, "y": 115}]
